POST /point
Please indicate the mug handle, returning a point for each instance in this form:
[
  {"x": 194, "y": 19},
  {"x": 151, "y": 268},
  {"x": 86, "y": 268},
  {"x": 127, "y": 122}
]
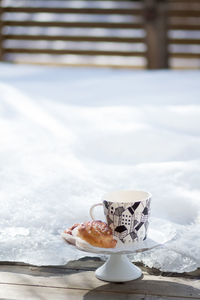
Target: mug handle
[{"x": 91, "y": 210}]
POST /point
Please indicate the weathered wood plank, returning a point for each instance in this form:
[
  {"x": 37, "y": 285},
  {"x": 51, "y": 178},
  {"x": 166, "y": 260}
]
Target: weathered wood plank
[
  {"x": 184, "y": 13},
  {"x": 80, "y": 38},
  {"x": 73, "y": 51},
  {"x": 184, "y": 55},
  {"x": 88, "y": 64},
  {"x": 91, "y": 263},
  {"x": 52, "y": 277},
  {"x": 74, "y": 24},
  {"x": 183, "y": 26},
  {"x": 59, "y": 10},
  {"x": 32, "y": 293},
  {"x": 184, "y": 41}
]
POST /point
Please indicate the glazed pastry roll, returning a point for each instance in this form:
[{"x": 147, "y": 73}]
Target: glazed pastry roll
[{"x": 97, "y": 234}]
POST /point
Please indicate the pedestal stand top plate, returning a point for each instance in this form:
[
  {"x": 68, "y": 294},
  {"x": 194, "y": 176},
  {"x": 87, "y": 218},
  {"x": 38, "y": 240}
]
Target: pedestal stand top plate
[{"x": 155, "y": 238}]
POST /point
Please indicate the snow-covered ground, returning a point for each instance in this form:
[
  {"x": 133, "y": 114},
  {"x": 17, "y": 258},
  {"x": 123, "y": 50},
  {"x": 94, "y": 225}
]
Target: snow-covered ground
[{"x": 67, "y": 136}]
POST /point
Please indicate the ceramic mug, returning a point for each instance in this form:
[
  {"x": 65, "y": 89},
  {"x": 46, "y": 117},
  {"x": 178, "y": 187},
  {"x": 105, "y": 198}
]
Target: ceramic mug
[{"x": 127, "y": 214}]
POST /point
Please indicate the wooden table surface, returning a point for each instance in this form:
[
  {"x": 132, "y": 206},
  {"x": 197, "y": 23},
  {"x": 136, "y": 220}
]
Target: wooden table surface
[{"x": 77, "y": 281}]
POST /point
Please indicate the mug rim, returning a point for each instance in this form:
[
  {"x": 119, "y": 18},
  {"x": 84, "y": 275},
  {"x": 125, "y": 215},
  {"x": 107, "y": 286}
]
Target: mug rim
[{"x": 148, "y": 196}]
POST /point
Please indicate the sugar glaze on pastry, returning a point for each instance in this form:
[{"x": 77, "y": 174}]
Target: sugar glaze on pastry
[{"x": 97, "y": 234}]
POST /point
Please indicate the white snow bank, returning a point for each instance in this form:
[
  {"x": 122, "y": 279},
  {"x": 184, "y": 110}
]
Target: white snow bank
[{"x": 67, "y": 136}]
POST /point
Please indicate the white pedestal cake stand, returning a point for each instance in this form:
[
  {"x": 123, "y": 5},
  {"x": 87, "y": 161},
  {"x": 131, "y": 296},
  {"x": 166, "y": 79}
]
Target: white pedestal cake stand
[{"x": 118, "y": 267}]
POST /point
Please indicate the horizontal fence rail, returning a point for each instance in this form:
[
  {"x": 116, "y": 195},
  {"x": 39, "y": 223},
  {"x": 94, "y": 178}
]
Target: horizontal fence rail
[
  {"x": 54, "y": 10},
  {"x": 74, "y": 24},
  {"x": 147, "y": 33},
  {"x": 79, "y": 38},
  {"x": 184, "y": 33}
]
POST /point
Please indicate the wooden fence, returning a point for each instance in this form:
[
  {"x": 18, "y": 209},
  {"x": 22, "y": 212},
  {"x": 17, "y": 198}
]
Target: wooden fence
[{"x": 154, "y": 33}]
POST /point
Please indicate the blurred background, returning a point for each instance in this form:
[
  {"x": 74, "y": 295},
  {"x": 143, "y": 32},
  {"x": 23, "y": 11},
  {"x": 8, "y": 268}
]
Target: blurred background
[{"x": 139, "y": 34}]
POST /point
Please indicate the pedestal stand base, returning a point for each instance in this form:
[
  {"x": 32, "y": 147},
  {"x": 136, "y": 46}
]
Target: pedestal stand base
[{"x": 118, "y": 268}]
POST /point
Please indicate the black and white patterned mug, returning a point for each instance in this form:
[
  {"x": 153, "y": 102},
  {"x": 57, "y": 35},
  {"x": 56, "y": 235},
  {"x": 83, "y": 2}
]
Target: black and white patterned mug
[{"x": 127, "y": 214}]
